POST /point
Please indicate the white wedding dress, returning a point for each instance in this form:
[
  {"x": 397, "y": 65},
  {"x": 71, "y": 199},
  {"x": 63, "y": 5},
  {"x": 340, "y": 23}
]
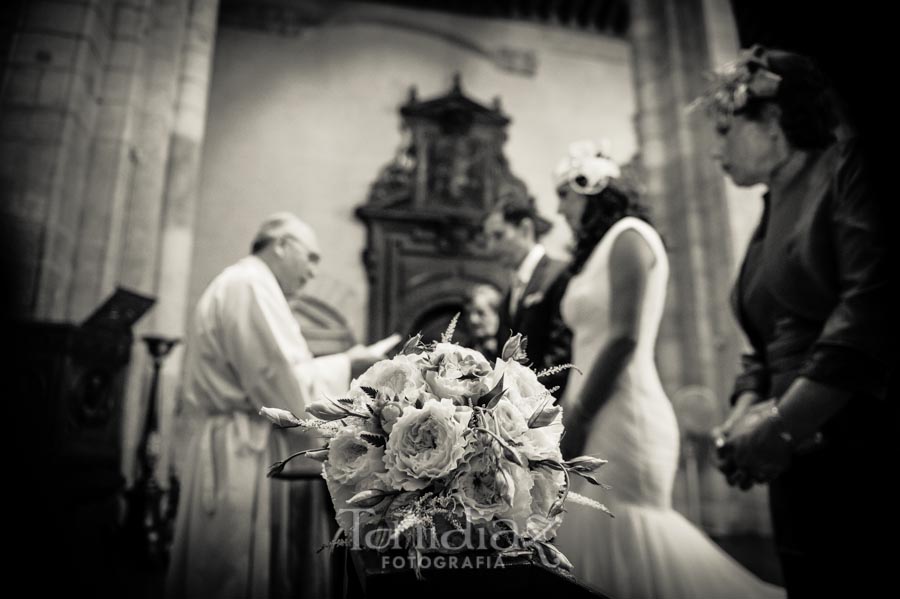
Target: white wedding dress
[{"x": 648, "y": 550}]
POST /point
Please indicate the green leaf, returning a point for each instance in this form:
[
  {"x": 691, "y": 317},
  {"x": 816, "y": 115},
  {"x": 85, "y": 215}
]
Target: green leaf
[
  {"x": 557, "y": 557},
  {"x": 584, "y": 463},
  {"x": 490, "y": 399},
  {"x": 545, "y": 414},
  {"x": 589, "y": 478},
  {"x": 552, "y": 464},
  {"x": 508, "y": 452},
  {"x": 373, "y": 439},
  {"x": 370, "y": 392},
  {"x": 556, "y": 509},
  {"x": 544, "y": 417},
  {"x": 412, "y": 345}
]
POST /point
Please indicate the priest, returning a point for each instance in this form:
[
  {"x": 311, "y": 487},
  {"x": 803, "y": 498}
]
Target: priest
[{"x": 246, "y": 351}]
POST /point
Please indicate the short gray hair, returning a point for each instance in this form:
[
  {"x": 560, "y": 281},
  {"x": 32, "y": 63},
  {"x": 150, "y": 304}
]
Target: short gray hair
[{"x": 273, "y": 227}]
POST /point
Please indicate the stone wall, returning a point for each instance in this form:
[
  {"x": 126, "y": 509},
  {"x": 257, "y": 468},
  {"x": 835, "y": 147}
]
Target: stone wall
[{"x": 103, "y": 105}]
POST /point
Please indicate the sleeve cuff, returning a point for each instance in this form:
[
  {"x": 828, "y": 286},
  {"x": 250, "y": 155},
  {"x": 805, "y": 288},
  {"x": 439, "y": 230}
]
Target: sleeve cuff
[
  {"x": 846, "y": 369},
  {"x": 754, "y": 378}
]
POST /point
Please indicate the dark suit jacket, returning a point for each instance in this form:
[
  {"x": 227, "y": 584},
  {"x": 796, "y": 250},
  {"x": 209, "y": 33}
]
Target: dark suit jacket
[
  {"x": 812, "y": 295},
  {"x": 538, "y": 318},
  {"x": 813, "y": 299}
]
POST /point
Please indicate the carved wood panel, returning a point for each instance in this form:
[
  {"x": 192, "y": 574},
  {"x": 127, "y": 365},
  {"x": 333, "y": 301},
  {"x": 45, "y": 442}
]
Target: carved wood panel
[{"x": 424, "y": 211}]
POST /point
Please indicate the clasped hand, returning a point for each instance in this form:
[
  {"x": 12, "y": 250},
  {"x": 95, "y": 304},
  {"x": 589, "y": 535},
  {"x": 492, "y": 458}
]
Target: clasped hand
[{"x": 749, "y": 448}]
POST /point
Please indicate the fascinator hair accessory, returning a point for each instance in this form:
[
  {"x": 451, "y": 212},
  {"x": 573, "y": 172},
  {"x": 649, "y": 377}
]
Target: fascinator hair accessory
[
  {"x": 737, "y": 82},
  {"x": 587, "y": 169}
]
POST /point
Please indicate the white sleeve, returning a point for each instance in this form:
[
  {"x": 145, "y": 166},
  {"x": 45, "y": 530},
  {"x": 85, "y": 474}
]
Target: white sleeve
[{"x": 272, "y": 362}]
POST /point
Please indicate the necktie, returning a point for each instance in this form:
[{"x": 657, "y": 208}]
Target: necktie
[{"x": 515, "y": 295}]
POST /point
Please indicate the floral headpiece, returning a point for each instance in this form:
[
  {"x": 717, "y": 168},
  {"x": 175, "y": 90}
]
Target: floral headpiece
[
  {"x": 736, "y": 82},
  {"x": 587, "y": 169}
]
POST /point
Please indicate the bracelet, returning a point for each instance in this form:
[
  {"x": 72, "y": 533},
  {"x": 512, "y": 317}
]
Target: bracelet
[{"x": 786, "y": 436}]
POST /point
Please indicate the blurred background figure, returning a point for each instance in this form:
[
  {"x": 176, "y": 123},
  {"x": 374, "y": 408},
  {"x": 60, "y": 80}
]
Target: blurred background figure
[
  {"x": 618, "y": 410},
  {"x": 537, "y": 283},
  {"x": 814, "y": 398},
  {"x": 482, "y": 319},
  {"x": 248, "y": 352}
]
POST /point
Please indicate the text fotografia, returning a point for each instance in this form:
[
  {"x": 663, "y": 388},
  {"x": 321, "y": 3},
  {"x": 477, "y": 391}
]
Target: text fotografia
[
  {"x": 481, "y": 546},
  {"x": 442, "y": 562}
]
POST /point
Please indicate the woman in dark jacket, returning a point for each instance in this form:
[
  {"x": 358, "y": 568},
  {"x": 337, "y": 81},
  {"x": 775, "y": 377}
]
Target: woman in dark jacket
[{"x": 811, "y": 415}]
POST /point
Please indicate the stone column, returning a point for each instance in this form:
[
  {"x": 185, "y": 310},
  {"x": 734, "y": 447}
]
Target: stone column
[
  {"x": 54, "y": 77},
  {"x": 698, "y": 343},
  {"x": 180, "y": 204},
  {"x": 744, "y": 204},
  {"x": 89, "y": 99},
  {"x": 704, "y": 220},
  {"x": 150, "y": 255},
  {"x": 156, "y": 115},
  {"x": 112, "y": 160}
]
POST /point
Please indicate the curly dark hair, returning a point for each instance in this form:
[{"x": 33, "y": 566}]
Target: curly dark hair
[
  {"x": 601, "y": 211},
  {"x": 809, "y": 109}
]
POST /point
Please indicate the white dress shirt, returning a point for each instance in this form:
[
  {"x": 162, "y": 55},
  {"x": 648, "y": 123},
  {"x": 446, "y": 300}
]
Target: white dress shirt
[{"x": 523, "y": 275}]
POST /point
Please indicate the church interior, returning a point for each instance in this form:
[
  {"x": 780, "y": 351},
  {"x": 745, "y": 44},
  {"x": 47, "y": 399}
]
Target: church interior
[{"x": 142, "y": 142}]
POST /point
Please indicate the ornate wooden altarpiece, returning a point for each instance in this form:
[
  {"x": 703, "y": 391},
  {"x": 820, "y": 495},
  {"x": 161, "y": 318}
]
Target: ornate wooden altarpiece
[{"x": 424, "y": 213}]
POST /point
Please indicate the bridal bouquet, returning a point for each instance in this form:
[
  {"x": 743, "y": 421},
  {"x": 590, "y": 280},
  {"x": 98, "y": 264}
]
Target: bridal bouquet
[{"x": 438, "y": 450}]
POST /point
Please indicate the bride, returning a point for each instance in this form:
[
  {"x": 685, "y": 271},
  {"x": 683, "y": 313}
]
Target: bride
[{"x": 618, "y": 410}]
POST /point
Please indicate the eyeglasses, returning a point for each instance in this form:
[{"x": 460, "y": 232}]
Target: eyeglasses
[{"x": 310, "y": 255}]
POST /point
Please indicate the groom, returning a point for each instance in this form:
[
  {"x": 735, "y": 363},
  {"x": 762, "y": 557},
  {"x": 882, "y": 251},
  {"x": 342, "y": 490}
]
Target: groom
[{"x": 537, "y": 285}]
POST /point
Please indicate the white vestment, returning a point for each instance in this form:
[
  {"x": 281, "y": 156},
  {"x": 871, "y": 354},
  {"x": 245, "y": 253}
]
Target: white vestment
[{"x": 246, "y": 351}]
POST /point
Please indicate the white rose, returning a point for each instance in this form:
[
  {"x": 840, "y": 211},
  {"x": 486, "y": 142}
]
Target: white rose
[
  {"x": 509, "y": 419},
  {"x": 399, "y": 377},
  {"x": 525, "y": 382},
  {"x": 425, "y": 443},
  {"x": 351, "y": 459},
  {"x": 457, "y": 373},
  {"x": 542, "y": 443},
  {"x": 461, "y": 353},
  {"x": 490, "y": 486}
]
